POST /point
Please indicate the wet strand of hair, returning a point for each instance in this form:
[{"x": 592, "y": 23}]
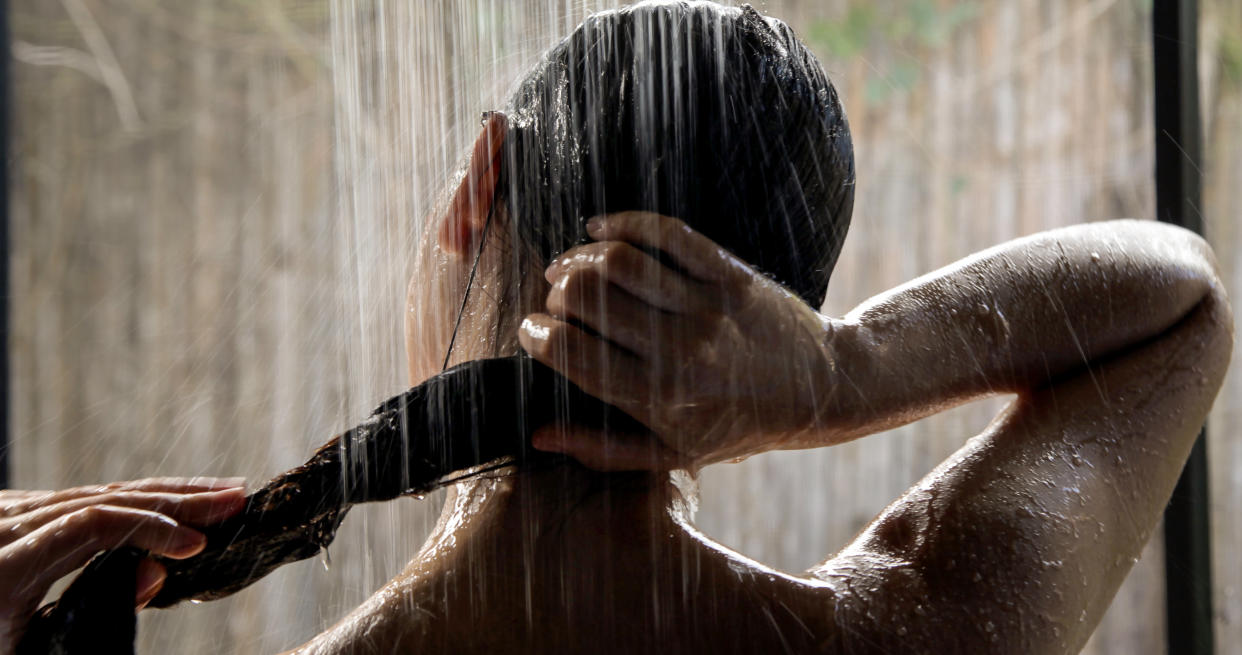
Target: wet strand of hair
[
  {"x": 473, "y": 420},
  {"x": 476, "y": 418}
]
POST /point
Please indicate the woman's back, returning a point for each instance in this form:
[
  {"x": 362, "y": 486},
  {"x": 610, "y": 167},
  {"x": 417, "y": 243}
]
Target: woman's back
[{"x": 525, "y": 567}]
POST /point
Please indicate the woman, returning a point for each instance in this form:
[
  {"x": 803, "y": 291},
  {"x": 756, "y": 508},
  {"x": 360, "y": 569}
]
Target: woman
[{"x": 712, "y": 152}]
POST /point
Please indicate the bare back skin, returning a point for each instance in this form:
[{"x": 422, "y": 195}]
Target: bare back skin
[{"x": 1114, "y": 338}]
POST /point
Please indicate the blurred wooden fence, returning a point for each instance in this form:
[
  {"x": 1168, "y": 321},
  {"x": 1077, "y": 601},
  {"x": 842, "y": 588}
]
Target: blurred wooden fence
[{"x": 214, "y": 204}]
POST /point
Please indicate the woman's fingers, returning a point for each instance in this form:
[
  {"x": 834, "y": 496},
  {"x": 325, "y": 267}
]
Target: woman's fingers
[
  {"x": 598, "y": 367},
  {"x": 603, "y": 451},
  {"x": 650, "y": 333},
  {"x": 30, "y": 500},
  {"x": 61, "y": 546},
  {"x": 638, "y": 273},
  {"x": 180, "y": 485},
  {"x": 615, "y": 314},
  {"x": 685, "y": 316},
  {"x": 195, "y": 509},
  {"x": 45, "y": 535},
  {"x": 699, "y": 256},
  {"x": 104, "y": 527},
  {"x": 151, "y": 576}
]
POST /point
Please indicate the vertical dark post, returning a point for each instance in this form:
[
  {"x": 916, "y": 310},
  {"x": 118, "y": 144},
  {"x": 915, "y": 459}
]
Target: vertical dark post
[
  {"x": 6, "y": 102},
  {"x": 1179, "y": 171}
]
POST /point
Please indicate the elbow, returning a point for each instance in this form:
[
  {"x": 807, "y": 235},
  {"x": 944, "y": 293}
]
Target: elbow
[
  {"x": 1198, "y": 262},
  {"x": 1186, "y": 364},
  {"x": 1209, "y": 316},
  {"x": 1210, "y": 319},
  {"x": 1212, "y": 322},
  {"x": 1169, "y": 254},
  {"x": 1171, "y": 275},
  {"x": 1205, "y": 325}
]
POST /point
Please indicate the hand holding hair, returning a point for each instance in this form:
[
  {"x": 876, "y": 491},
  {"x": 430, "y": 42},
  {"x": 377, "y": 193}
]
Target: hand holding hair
[
  {"x": 472, "y": 419},
  {"x": 45, "y": 535},
  {"x": 715, "y": 359}
]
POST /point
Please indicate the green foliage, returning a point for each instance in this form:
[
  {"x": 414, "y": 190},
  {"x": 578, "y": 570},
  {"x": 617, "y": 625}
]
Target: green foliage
[
  {"x": 844, "y": 39},
  {"x": 959, "y": 184},
  {"x": 1231, "y": 58},
  {"x": 933, "y": 26},
  {"x": 905, "y": 26},
  {"x": 902, "y": 77},
  {"x": 912, "y": 23}
]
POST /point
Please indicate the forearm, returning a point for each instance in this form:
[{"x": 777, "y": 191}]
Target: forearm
[
  {"x": 1010, "y": 319},
  {"x": 720, "y": 362}
]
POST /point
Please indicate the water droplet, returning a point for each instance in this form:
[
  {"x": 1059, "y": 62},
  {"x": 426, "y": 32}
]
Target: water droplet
[
  {"x": 326, "y": 559},
  {"x": 988, "y": 627}
]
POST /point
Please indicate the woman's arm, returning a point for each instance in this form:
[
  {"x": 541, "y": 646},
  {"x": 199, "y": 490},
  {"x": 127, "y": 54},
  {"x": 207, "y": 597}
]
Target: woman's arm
[
  {"x": 1011, "y": 319},
  {"x": 1019, "y": 541},
  {"x": 720, "y": 362},
  {"x": 1114, "y": 336}
]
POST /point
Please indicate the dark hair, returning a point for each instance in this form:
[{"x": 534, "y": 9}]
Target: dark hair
[{"x": 715, "y": 115}]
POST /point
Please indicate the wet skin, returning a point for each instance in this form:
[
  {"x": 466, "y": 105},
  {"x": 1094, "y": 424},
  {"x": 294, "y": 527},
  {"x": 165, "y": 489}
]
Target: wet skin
[
  {"x": 1015, "y": 544},
  {"x": 1114, "y": 339},
  {"x": 523, "y": 568}
]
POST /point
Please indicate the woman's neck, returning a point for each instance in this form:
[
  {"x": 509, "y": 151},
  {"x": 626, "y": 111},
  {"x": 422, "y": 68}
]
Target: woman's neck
[
  {"x": 558, "y": 505},
  {"x": 562, "y": 560}
]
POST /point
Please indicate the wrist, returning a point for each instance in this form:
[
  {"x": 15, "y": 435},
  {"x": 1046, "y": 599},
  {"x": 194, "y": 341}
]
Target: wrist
[{"x": 832, "y": 396}]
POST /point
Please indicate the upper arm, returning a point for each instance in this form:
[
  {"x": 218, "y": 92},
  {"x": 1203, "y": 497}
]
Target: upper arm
[
  {"x": 1012, "y": 318},
  {"x": 1020, "y": 540}
]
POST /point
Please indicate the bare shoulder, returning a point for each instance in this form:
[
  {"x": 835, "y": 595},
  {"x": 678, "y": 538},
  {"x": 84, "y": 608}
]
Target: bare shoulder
[{"x": 400, "y": 617}]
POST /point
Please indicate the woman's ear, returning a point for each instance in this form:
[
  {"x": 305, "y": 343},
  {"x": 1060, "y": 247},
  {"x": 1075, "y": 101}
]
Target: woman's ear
[{"x": 463, "y": 224}]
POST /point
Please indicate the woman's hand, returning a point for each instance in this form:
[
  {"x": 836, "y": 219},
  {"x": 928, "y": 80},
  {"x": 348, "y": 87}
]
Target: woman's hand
[
  {"x": 45, "y": 535},
  {"x": 718, "y": 361}
]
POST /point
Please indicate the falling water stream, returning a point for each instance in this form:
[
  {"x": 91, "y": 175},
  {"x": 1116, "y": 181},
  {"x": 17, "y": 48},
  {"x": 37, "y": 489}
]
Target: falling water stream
[{"x": 410, "y": 81}]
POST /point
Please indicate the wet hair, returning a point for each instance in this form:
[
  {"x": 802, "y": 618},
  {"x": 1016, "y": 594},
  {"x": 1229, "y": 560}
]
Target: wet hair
[{"x": 711, "y": 114}]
